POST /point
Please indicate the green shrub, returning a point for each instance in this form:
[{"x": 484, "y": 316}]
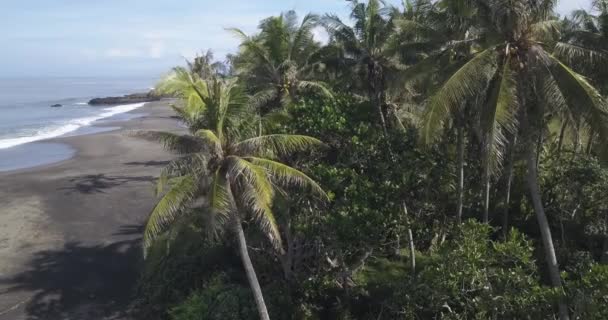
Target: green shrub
[
  {"x": 474, "y": 277},
  {"x": 219, "y": 300},
  {"x": 589, "y": 294}
]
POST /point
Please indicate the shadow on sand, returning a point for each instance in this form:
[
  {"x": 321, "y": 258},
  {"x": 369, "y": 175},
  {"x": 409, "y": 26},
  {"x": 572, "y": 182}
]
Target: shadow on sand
[
  {"x": 153, "y": 163},
  {"x": 97, "y": 183},
  {"x": 81, "y": 282}
]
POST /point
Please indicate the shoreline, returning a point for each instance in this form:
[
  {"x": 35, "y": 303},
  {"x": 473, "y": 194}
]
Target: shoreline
[
  {"x": 67, "y": 151},
  {"x": 70, "y": 231}
]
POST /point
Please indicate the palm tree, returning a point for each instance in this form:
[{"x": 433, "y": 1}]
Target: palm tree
[
  {"x": 515, "y": 80},
  {"x": 187, "y": 85},
  {"x": 433, "y": 37},
  {"x": 205, "y": 66},
  {"x": 584, "y": 46},
  {"x": 226, "y": 173},
  {"x": 279, "y": 63},
  {"x": 365, "y": 49}
]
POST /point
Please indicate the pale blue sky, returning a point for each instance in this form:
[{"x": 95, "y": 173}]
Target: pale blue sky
[{"x": 134, "y": 37}]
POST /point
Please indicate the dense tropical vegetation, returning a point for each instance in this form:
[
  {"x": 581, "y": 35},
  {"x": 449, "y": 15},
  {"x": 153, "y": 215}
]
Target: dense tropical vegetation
[{"x": 439, "y": 160}]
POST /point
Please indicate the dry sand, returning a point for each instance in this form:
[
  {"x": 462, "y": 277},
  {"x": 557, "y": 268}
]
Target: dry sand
[{"x": 70, "y": 231}]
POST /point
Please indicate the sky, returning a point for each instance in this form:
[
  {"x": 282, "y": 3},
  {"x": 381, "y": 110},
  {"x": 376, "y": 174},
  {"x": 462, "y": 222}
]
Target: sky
[{"x": 139, "y": 38}]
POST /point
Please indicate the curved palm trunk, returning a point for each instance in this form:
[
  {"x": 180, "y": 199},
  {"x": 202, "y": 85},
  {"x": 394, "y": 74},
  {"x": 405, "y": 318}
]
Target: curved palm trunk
[
  {"x": 460, "y": 146},
  {"x": 590, "y": 142},
  {"x": 410, "y": 240},
  {"x": 251, "y": 276},
  {"x": 543, "y": 224},
  {"x": 376, "y": 92},
  {"x": 539, "y": 148},
  {"x": 510, "y": 166},
  {"x": 562, "y": 132},
  {"x": 486, "y": 178},
  {"x": 486, "y": 190}
]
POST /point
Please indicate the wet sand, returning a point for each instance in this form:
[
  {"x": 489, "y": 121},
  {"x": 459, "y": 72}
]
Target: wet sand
[{"x": 70, "y": 231}]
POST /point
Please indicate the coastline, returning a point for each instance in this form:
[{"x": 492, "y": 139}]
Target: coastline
[
  {"x": 70, "y": 230},
  {"x": 16, "y": 156}
]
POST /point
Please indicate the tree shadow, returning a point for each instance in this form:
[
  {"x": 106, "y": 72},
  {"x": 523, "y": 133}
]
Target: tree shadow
[
  {"x": 130, "y": 229},
  {"x": 97, "y": 183},
  {"x": 153, "y": 163},
  {"x": 80, "y": 282}
]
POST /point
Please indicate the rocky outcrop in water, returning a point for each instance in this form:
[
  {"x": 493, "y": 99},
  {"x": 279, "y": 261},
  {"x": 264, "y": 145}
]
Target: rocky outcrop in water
[
  {"x": 56, "y": 105},
  {"x": 127, "y": 99}
]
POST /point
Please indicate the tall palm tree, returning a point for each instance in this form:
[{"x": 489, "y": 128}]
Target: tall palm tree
[
  {"x": 187, "y": 85},
  {"x": 205, "y": 66},
  {"x": 432, "y": 38},
  {"x": 364, "y": 47},
  {"x": 279, "y": 63},
  {"x": 514, "y": 79},
  {"x": 584, "y": 46},
  {"x": 227, "y": 173}
]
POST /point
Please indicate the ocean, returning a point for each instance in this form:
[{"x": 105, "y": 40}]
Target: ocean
[{"x": 26, "y": 114}]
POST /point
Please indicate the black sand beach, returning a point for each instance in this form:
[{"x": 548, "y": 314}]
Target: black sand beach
[{"x": 70, "y": 231}]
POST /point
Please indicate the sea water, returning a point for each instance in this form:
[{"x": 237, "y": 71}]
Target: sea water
[{"x": 26, "y": 115}]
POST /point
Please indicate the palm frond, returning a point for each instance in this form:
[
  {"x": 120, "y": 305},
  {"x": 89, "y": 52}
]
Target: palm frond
[
  {"x": 545, "y": 30},
  {"x": 581, "y": 97},
  {"x": 257, "y": 195},
  {"x": 215, "y": 144},
  {"x": 169, "y": 208},
  {"x": 254, "y": 46},
  {"x": 262, "y": 98},
  {"x": 279, "y": 144},
  {"x": 274, "y": 118},
  {"x": 286, "y": 175},
  {"x": 498, "y": 116},
  {"x": 182, "y": 144},
  {"x": 339, "y": 30},
  {"x": 181, "y": 113},
  {"x": 467, "y": 82},
  {"x": 193, "y": 164},
  {"x": 317, "y": 86},
  {"x": 221, "y": 202},
  {"x": 574, "y": 55}
]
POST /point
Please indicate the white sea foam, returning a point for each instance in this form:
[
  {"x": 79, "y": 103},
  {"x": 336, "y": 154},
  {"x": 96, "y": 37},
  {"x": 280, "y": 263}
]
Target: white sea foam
[
  {"x": 70, "y": 126},
  {"x": 81, "y": 103}
]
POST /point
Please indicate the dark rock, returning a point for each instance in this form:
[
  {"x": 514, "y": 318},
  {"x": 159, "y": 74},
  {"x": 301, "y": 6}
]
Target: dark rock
[
  {"x": 56, "y": 105},
  {"x": 127, "y": 99}
]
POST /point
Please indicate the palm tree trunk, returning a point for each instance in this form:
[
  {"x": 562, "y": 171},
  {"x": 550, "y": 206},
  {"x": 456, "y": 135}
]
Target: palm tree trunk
[
  {"x": 539, "y": 147},
  {"x": 410, "y": 239},
  {"x": 460, "y": 146},
  {"x": 486, "y": 190},
  {"x": 590, "y": 142},
  {"x": 510, "y": 166},
  {"x": 577, "y": 140},
  {"x": 562, "y": 132},
  {"x": 251, "y": 276},
  {"x": 486, "y": 177},
  {"x": 545, "y": 230},
  {"x": 376, "y": 93}
]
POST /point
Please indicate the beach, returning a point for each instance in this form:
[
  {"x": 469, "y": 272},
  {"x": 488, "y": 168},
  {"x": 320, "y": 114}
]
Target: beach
[{"x": 70, "y": 231}]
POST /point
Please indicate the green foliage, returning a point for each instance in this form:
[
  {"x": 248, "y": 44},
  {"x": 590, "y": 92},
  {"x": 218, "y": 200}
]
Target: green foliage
[
  {"x": 501, "y": 73},
  {"x": 219, "y": 300},
  {"x": 589, "y": 293},
  {"x": 474, "y": 277},
  {"x": 180, "y": 263}
]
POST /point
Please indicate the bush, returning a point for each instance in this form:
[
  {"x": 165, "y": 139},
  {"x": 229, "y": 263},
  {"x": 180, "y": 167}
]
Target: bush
[
  {"x": 473, "y": 277},
  {"x": 219, "y": 300},
  {"x": 589, "y": 294}
]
